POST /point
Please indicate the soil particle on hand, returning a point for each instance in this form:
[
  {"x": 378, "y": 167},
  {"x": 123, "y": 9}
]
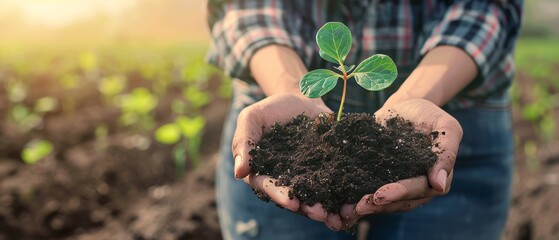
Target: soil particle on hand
[{"x": 333, "y": 163}]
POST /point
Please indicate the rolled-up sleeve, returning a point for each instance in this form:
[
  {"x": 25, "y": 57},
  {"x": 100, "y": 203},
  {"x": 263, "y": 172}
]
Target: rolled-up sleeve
[
  {"x": 240, "y": 28},
  {"x": 487, "y": 31}
]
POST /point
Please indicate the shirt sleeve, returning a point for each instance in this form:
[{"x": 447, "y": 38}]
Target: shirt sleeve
[
  {"x": 240, "y": 28},
  {"x": 487, "y": 31}
]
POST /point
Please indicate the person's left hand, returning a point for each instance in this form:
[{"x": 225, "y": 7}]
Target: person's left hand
[{"x": 411, "y": 193}]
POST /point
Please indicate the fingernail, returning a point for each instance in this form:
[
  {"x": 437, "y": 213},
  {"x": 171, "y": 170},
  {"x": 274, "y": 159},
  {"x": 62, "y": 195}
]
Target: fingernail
[
  {"x": 379, "y": 199},
  {"x": 359, "y": 208},
  {"x": 386, "y": 195},
  {"x": 441, "y": 178},
  {"x": 238, "y": 160}
]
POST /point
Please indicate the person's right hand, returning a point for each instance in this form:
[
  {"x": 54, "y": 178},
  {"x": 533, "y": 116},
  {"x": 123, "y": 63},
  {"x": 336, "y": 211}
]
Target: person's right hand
[{"x": 252, "y": 123}]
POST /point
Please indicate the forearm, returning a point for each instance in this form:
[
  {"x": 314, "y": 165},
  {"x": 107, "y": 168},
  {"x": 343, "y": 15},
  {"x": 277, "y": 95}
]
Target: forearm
[
  {"x": 441, "y": 75},
  {"x": 277, "y": 69}
]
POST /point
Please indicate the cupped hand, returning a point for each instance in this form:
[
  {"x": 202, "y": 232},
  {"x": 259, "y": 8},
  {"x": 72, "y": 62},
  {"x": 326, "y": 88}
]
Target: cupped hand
[
  {"x": 252, "y": 123},
  {"x": 411, "y": 193}
]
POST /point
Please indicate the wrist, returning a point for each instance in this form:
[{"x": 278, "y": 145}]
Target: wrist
[
  {"x": 277, "y": 69},
  {"x": 285, "y": 82},
  {"x": 440, "y": 76},
  {"x": 403, "y": 95}
]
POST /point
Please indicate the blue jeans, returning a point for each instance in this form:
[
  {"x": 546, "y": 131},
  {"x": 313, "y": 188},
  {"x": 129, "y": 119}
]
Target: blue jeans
[{"x": 475, "y": 208}]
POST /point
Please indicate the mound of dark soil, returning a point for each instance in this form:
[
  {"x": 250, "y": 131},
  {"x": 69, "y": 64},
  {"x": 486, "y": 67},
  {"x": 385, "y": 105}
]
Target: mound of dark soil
[{"x": 330, "y": 162}]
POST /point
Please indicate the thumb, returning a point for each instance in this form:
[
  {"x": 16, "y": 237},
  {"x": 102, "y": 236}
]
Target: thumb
[
  {"x": 445, "y": 144},
  {"x": 248, "y": 132}
]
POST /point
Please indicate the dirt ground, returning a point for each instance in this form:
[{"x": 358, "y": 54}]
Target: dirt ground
[{"x": 127, "y": 193}]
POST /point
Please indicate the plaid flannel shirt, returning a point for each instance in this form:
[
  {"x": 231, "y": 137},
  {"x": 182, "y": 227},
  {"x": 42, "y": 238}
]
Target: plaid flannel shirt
[{"x": 405, "y": 30}]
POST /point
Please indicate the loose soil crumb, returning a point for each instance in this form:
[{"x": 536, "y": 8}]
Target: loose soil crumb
[{"x": 333, "y": 163}]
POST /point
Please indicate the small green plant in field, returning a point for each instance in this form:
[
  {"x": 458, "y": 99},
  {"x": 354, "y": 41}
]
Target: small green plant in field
[
  {"x": 334, "y": 41},
  {"x": 112, "y": 86},
  {"x": 197, "y": 70},
  {"x": 36, "y": 150},
  {"x": 185, "y": 133},
  {"x": 22, "y": 116},
  {"x": 137, "y": 108},
  {"x": 196, "y": 97},
  {"x": 46, "y": 104}
]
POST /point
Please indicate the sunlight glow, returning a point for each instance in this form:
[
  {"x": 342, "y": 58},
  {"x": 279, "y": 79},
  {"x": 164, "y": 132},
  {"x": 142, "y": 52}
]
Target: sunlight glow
[{"x": 57, "y": 13}]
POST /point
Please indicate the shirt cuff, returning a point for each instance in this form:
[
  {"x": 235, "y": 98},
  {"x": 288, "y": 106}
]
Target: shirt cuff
[{"x": 233, "y": 53}]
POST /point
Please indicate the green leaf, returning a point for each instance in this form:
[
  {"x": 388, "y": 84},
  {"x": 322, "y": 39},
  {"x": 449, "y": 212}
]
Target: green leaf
[
  {"x": 190, "y": 127},
  {"x": 139, "y": 101},
  {"x": 46, "y": 104},
  {"x": 318, "y": 82},
  {"x": 197, "y": 70},
  {"x": 533, "y": 111},
  {"x": 36, "y": 150},
  {"x": 334, "y": 41},
  {"x": 197, "y": 98},
  {"x": 17, "y": 91},
  {"x": 111, "y": 86},
  {"x": 376, "y": 72},
  {"x": 326, "y": 57},
  {"x": 168, "y": 134}
]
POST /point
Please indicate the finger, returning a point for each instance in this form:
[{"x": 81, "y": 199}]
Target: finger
[
  {"x": 347, "y": 211},
  {"x": 315, "y": 212},
  {"x": 407, "y": 189},
  {"x": 334, "y": 222},
  {"x": 401, "y": 206},
  {"x": 445, "y": 144},
  {"x": 278, "y": 194},
  {"x": 349, "y": 215},
  {"x": 247, "y": 134}
]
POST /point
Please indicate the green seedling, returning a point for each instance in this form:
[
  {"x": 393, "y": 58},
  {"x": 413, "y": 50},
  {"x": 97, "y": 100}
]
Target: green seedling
[
  {"x": 36, "y": 150},
  {"x": 112, "y": 86},
  {"x": 46, "y": 104},
  {"x": 185, "y": 134},
  {"x": 137, "y": 108},
  {"x": 22, "y": 116},
  {"x": 196, "y": 97},
  {"x": 334, "y": 41}
]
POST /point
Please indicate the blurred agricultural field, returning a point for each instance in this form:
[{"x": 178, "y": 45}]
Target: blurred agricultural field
[
  {"x": 535, "y": 99},
  {"x": 92, "y": 138}
]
